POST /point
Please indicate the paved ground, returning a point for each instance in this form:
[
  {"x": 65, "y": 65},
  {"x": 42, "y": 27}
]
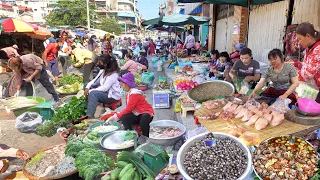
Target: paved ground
[{"x": 32, "y": 143}]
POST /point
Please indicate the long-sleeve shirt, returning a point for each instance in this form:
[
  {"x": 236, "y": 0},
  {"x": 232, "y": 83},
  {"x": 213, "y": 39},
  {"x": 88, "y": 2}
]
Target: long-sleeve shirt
[
  {"x": 30, "y": 63},
  {"x": 310, "y": 69},
  {"x": 189, "y": 42},
  {"x": 132, "y": 66},
  {"x": 11, "y": 52},
  {"x": 81, "y": 56},
  {"x": 108, "y": 84}
]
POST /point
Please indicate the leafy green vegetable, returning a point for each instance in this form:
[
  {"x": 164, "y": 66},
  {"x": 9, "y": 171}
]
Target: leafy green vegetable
[
  {"x": 90, "y": 163},
  {"x": 137, "y": 79},
  {"x": 62, "y": 118},
  {"x": 36, "y": 158},
  {"x": 73, "y": 88},
  {"x": 74, "y": 147},
  {"x": 71, "y": 79}
]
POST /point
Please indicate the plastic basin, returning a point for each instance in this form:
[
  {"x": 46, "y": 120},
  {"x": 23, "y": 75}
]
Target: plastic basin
[
  {"x": 30, "y": 109},
  {"x": 308, "y": 105},
  {"x": 101, "y": 123}
]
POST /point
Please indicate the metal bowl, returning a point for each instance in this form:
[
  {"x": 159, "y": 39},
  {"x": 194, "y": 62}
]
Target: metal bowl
[
  {"x": 254, "y": 169},
  {"x": 213, "y": 82},
  {"x": 170, "y": 140},
  {"x": 112, "y": 140},
  {"x": 185, "y": 147}
]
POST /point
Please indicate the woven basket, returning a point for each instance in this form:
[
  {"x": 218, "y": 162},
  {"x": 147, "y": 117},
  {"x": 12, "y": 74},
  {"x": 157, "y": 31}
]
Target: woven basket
[{"x": 32, "y": 177}]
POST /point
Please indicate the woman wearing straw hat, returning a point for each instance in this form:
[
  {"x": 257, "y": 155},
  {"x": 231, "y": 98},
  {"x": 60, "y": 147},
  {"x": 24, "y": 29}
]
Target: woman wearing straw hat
[{"x": 138, "y": 110}]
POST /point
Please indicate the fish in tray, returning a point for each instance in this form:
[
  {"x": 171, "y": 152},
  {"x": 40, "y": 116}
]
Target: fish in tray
[{"x": 164, "y": 131}]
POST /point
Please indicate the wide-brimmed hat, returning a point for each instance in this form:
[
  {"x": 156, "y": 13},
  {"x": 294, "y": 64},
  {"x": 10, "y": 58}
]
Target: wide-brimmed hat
[
  {"x": 15, "y": 46},
  {"x": 128, "y": 79}
]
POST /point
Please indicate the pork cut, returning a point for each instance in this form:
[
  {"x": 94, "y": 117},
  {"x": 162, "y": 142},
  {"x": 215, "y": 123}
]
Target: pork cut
[
  {"x": 278, "y": 118},
  {"x": 252, "y": 120},
  {"x": 247, "y": 116},
  {"x": 241, "y": 113},
  {"x": 261, "y": 123},
  {"x": 268, "y": 117}
]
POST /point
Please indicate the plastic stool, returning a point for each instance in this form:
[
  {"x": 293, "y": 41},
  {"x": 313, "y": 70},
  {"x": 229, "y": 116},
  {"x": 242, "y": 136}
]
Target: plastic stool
[
  {"x": 137, "y": 128},
  {"x": 114, "y": 105}
]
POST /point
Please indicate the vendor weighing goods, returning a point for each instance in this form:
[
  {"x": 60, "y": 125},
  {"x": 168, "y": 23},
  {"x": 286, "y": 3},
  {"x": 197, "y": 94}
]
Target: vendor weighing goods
[
  {"x": 214, "y": 156},
  {"x": 285, "y": 158},
  {"x": 211, "y": 90}
]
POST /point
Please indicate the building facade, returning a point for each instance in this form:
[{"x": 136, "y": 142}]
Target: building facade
[{"x": 39, "y": 9}]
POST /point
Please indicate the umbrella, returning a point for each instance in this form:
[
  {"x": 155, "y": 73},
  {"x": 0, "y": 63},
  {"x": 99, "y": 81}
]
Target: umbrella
[
  {"x": 16, "y": 25},
  {"x": 244, "y": 3},
  {"x": 41, "y": 34},
  {"x": 165, "y": 28},
  {"x": 177, "y": 20}
]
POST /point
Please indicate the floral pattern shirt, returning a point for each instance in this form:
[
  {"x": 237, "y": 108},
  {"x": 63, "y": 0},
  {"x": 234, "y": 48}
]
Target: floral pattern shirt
[{"x": 309, "y": 72}]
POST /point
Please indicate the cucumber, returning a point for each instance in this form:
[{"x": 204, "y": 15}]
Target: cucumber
[
  {"x": 129, "y": 174},
  {"x": 125, "y": 169},
  {"x": 115, "y": 173},
  {"x": 106, "y": 177},
  {"x": 137, "y": 176},
  {"x": 122, "y": 164}
]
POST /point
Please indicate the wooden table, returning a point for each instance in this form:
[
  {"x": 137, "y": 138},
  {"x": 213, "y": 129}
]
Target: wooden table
[{"x": 220, "y": 125}]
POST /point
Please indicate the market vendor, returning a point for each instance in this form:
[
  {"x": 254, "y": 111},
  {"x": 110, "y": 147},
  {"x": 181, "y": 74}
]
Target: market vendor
[
  {"x": 138, "y": 110},
  {"x": 50, "y": 57},
  {"x": 142, "y": 59},
  {"x": 27, "y": 68},
  {"x": 9, "y": 52},
  {"x": 235, "y": 56},
  {"x": 105, "y": 87},
  {"x": 283, "y": 76},
  {"x": 214, "y": 55},
  {"x": 189, "y": 43},
  {"x": 246, "y": 69},
  {"x": 221, "y": 70},
  {"x": 309, "y": 70},
  {"x": 85, "y": 59},
  {"x": 132, "y": 66}
]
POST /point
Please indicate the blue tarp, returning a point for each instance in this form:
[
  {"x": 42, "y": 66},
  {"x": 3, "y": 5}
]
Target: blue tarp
[{"x": 197, "y": 10}]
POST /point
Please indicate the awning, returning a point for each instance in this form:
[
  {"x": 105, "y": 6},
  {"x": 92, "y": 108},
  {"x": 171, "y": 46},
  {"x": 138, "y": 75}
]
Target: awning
[
  {"x": 125, "y": 14},
  {"x": 232, "y": 2}
]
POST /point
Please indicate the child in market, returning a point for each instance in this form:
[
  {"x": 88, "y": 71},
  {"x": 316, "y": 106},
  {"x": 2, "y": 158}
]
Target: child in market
[
  {"x": 222, "y": 69},
  {"x": 138, "y": 110}
]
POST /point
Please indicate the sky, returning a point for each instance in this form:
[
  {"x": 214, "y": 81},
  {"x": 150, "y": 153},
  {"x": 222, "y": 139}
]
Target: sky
[{"x": 149, "y": 8}]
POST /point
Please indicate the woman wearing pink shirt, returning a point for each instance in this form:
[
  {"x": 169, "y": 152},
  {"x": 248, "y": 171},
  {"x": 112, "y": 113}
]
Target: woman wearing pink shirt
[{"x": 131, "y": 66}]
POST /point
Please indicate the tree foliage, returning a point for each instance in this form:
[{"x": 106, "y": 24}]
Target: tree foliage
[
  {"x": 109, "y": 24},
  {"x": 70, "y": 12}
]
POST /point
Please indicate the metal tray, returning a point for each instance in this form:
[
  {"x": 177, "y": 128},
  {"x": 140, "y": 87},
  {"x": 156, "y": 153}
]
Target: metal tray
[{"x": 112, "y": 140}]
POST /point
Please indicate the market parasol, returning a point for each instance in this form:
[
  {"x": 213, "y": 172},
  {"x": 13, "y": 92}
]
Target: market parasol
[
  {"x": 16, "y": 25},
  {"x": 40, "y": 34},
  {"x": 176, "y": 20},
  {"x": 244, "y": 3}
]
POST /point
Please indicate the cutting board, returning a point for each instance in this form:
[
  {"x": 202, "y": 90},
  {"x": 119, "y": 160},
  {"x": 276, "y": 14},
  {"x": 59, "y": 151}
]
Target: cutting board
[{"x": 296, "y": 117}]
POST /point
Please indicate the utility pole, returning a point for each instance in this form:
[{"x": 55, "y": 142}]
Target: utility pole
[{"x": 88, "y": 15}]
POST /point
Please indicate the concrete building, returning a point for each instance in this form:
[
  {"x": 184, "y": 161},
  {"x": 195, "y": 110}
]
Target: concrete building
[
  {"x": 39, "y": 9},
  {"x": 124, "y": 10},
  {"x": 13, "y": 11}
]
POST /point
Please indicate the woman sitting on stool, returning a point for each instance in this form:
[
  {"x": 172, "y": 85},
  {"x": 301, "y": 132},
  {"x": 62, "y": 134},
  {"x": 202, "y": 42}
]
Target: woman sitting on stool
[
  {"x": 138, "y": 110},
  {"x": 105, "y": 88}
]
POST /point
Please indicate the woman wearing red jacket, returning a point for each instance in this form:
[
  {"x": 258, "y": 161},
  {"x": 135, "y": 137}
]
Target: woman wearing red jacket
[
  {"x": 138, "y": 110},
  {"x": 309, "y": 70}
]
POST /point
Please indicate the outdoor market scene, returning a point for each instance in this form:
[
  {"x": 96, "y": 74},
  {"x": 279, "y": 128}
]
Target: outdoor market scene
[{"x": 160, "y": 89}]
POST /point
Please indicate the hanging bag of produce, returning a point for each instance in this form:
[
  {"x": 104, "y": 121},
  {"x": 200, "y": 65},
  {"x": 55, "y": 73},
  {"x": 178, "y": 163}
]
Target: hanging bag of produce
[
  {"x": 28, "y": 122},
  {"x": 306, "y": 91}
]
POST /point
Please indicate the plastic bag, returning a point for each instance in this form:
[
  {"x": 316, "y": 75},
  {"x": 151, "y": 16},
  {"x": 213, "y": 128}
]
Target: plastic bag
[
  {"x": 162, "y": 79},
  {"x": 28, "y": 122},
  {"x": 177, "y": 107},
  {"x": 252, "y": 102},
  {"x": 280, "y": 106},
  {"x": 147, "y": 78},
  {"x": 196, "y": 131},
  {"x": 306, "y": 91},
  {"x": 244, "y": 88}
]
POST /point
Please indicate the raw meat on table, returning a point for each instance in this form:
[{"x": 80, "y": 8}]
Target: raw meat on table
[
  {"x": 268, "y": 117},
  {"x": 252, "y": 120},
  {"x": 232, "y": 108},
  {"x": 241, "y": 113},
  {"x": 247, "y": 116},
  {"x": 227, "y": 106},
  {"x": 226, "y": 115},
  {"x": 278, "y": 118},
  {"x": 261, "y": 123},
  {"x": 239, "y": 108}
]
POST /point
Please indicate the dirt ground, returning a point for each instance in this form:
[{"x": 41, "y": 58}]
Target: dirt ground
[{"x": 29, "y": 142}]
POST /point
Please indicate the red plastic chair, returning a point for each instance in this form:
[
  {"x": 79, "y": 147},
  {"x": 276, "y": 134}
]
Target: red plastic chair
[{"x": 114, "y": 105}]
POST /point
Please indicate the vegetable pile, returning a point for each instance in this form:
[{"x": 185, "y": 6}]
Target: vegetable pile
[
  {"x": 92, "y": 139},
  {"x": 71, "y": 79},
  {"x": 73, "y": 88},
  {"x": 276, "y": 158},
  {"x": 89, "y": 161},
  {"x": 187, "y": 85},
  {"x": 51, "y": 163},
  {"x": 130, "y": 166},
  {"x": 62, "y": 118},
  {"x": 138, "y": 79},
  {"x": 78, "y": 131},
  {"x": 20, "y": 102}
]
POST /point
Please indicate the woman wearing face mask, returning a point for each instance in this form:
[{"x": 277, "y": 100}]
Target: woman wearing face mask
[
  {"x": 105, "y": 87},
  {"x": 309, "y": 70},
  {"x": 246, "y": 69},
  {"x": 284, "y": 79}
]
